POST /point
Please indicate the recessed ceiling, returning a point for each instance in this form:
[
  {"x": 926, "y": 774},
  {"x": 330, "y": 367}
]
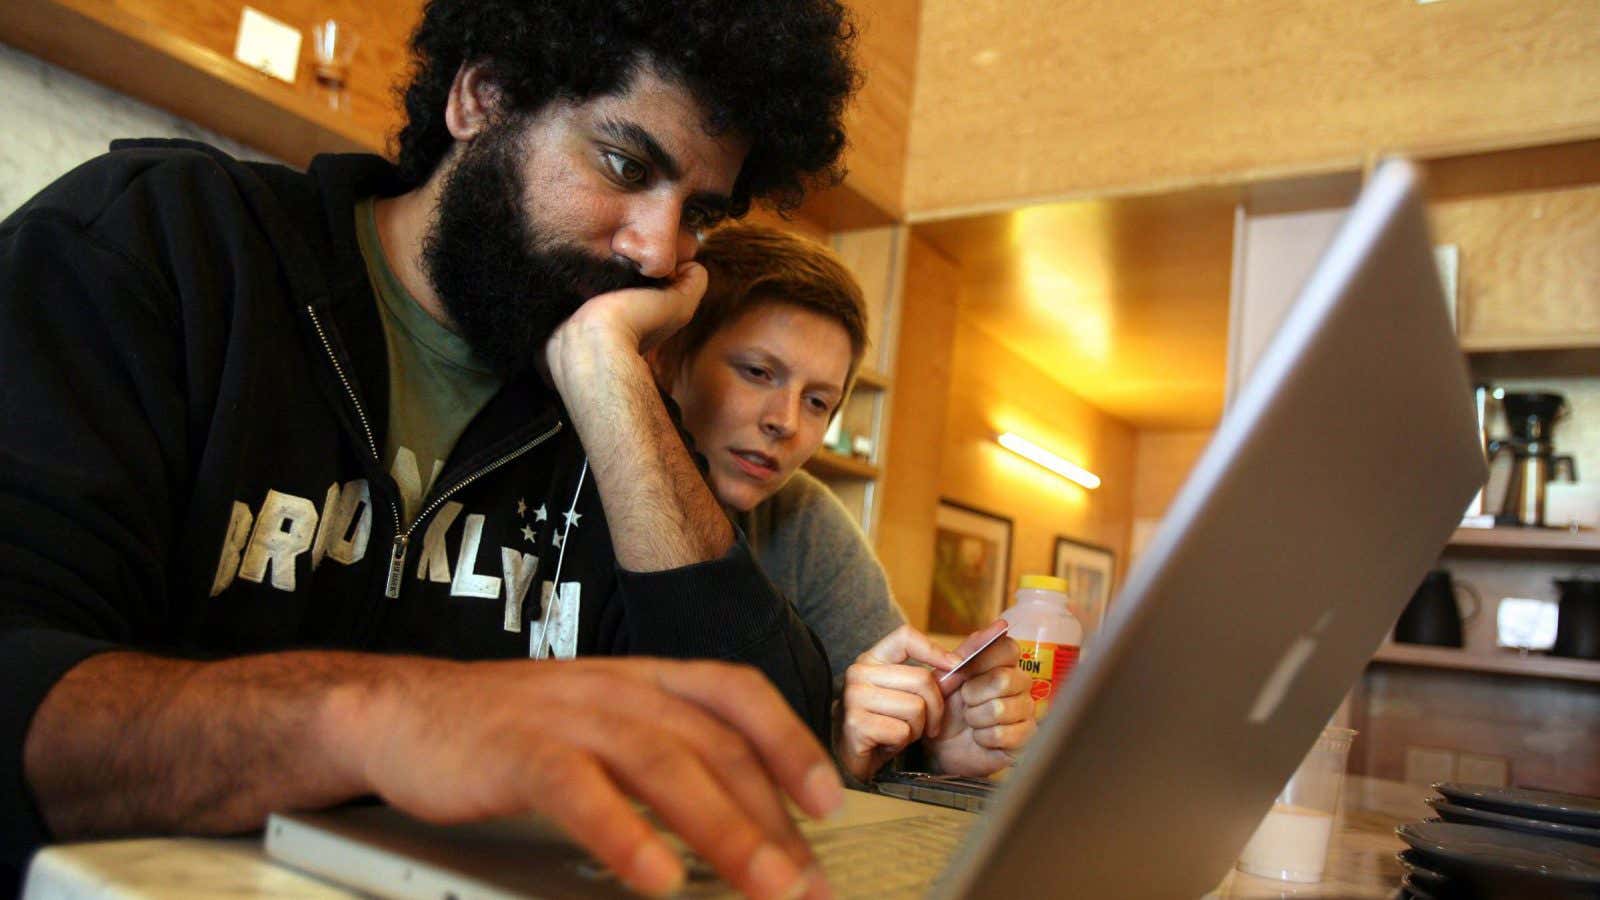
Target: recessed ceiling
[{"x": 1123, "y": 301}]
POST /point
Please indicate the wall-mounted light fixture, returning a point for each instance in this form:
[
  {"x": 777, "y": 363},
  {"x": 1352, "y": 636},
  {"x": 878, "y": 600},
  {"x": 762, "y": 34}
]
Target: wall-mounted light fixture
[{"x": 1034, "y": 453}]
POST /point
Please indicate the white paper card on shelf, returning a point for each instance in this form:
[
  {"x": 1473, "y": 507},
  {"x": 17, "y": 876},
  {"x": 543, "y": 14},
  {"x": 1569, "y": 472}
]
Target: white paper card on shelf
[
  {"x": 1526, "y": 624},
  {"x": 267, "y": 44},
  {"x": 1448, "y": 258}
]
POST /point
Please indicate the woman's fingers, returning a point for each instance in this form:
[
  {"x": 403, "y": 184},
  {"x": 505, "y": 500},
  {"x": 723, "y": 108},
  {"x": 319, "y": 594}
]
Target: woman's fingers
[
  {"x": 1001, "y": 681},
  {"x": 917, "y": 692},
  {"x": 868, "y": 732},
  {"x": 1010, "y": 737},
  {"x": 1003, "y": 652},
  {"x": 907, "y": 644},
  {"x": 1005, "y": 710},
  {"x": 980, "y": 637}
]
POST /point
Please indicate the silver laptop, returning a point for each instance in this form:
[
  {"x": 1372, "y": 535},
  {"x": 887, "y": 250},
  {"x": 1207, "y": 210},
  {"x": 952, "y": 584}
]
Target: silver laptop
[{"x": 1278, "y": 570}]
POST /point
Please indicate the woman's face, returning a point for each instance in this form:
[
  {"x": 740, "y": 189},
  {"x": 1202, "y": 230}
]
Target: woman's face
[{"x": 758, "y": 396}]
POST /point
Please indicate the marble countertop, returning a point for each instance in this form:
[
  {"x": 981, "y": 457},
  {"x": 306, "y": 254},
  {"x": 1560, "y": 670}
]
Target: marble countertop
[{"x": 1361, "y": 861}]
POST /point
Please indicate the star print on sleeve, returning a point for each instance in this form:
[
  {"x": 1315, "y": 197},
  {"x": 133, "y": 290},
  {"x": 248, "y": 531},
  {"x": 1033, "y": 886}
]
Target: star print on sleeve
[
  {"x": 555, "y": 537},
  {"x": 527, "y": 533},
  {"x": 572, "y": 518},
  {"x": 540, "y": 515},
  {"x": 522, "y": 508}
]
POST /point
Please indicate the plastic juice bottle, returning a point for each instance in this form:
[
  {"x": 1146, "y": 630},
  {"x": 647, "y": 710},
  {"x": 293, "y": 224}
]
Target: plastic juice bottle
[{"x": 1047, "y": 633}]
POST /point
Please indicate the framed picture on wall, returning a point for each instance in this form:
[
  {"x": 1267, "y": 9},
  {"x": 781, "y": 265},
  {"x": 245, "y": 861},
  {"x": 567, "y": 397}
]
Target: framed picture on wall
[
  {"x": 971, "y": 556},
  {"x": 1088, "y": 569}
]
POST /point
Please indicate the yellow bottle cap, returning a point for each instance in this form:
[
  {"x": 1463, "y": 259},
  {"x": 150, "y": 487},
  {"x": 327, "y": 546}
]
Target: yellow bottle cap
[{"x": 1043, "y": 583}]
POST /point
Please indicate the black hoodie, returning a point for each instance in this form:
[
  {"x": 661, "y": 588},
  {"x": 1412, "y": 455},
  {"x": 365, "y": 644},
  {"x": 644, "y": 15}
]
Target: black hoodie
[{"x": 194, "y": 393}]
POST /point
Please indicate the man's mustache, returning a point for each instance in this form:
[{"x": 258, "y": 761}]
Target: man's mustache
[{"x": 589, "y": 277}]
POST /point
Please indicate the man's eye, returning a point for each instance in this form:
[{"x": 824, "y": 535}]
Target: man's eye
[
  {"x": 755, "y": 372},
  {"x": 819, "y": 405},
  {"x": 628, "y": 171},
  {"x": 700, "y": 219}
]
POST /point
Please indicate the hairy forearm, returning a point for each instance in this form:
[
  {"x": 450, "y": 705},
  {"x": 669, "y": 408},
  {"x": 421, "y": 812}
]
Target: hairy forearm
[
  {"x": 129, "y": 743},
  {"x": 661, "y": 513}
]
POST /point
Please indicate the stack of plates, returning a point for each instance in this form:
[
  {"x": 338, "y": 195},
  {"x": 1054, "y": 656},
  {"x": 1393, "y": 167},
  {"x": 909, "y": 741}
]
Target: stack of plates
[{"x": 1490, "y": 843}]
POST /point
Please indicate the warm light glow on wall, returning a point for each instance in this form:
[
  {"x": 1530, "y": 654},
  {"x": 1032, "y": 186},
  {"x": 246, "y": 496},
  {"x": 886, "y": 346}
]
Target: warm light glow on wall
[
  {"x": 1068, "y": 284},
  {"x": 1037, "y": 454}
]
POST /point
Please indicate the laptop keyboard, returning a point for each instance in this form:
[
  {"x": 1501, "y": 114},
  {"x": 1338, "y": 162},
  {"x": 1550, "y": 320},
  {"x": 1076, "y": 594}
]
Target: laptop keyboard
[{"x": 896, "y": 859}]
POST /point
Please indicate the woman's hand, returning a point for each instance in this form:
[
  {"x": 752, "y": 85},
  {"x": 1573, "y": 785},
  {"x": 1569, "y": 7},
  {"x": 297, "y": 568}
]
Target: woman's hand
[
  {"x": 889, "y": 701},
  {"x": 988, "y": 714}
]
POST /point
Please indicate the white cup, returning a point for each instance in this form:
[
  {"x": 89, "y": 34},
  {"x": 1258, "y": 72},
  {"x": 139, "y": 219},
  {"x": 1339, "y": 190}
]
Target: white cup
[{"x": 1291, "y": 843}]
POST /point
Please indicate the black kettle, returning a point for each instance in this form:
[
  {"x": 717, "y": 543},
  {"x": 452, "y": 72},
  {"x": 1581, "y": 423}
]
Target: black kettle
[
  {"x": 1432, "y": 616},
  {"x": 1578, "y": 619}
]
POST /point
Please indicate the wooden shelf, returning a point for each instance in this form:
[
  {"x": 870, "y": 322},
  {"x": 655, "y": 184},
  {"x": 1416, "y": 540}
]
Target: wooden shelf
[
  {"x": 1526, "y": 542},
  {"x": 828, "y": 464},
  {"x": 1519, "y": 343},
  {"x": 107, "y": 43},
  {"x": 871, "y": 379},
  {"x": 1568, "y": 362},
  {"x": 1498, "y": 662}
]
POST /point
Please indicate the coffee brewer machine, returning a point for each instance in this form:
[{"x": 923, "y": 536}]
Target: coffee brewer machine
[{"x": 1534, "y": 462}]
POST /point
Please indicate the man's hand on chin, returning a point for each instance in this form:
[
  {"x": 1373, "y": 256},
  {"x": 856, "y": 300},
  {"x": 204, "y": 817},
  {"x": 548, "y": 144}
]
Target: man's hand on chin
[
  {"x": 631, "y": 320},
  {"x": 659, "y": 509}
]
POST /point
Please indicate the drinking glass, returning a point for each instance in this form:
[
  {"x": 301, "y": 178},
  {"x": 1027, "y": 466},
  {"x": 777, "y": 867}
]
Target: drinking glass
[
  {"x": 333, "y": 45},
  {"x": 1291, "y": 843}
]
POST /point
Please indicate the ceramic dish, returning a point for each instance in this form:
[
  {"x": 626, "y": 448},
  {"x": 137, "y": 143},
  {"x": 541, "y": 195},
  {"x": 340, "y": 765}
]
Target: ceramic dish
[
  {"x": 1493, "y": 863},
  {"x": 1550, "y": 806},
  {"x": 1410, "y": 886},
  {"x": 1424, "y": 877},
  {"x": 1466, "y": 815}
]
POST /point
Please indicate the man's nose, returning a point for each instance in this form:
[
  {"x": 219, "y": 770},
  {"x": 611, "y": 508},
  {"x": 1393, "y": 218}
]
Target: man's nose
[{"x": 655, "y": 241}]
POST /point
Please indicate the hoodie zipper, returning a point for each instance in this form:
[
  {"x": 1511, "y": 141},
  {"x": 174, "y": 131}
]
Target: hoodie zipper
[
  {"x": 402, "y": 538},
  {"x": 397, "y": 556}
]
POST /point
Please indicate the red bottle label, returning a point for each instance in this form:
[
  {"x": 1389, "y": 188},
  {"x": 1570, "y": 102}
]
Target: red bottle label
[{"x": 1048, "y": 665}]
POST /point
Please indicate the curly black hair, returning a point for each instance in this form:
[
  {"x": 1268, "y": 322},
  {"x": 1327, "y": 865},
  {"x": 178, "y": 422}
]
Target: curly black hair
[{"x": 776, "y": 72}]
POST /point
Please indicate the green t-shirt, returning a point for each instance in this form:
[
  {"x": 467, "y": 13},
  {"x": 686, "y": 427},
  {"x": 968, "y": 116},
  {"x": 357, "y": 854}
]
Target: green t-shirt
[{"x": 436, "y": 385}]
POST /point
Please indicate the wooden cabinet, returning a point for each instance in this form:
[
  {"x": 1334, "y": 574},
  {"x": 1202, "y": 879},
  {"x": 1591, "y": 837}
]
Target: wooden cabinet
[
  {"x": 1529, "y": 249},
  {"x": 1530, "y": 268}
]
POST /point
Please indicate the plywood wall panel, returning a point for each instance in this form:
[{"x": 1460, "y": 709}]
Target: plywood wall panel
[
  {"x": 879, "y": 121},
  {"x": 992, "y": 390},
  {"x": 1023, "y": 102},
  {"x": 1123, "y": 300},
  {"x": 1162, "y": 466},
  {"x": 915, "y": 447}
]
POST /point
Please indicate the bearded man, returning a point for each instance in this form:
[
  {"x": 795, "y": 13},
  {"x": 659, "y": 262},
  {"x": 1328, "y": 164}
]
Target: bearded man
[{"x": 289, "y": 457}]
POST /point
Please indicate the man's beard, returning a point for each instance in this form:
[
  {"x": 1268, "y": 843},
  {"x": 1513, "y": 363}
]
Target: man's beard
[{"x": 506, "y": 285}]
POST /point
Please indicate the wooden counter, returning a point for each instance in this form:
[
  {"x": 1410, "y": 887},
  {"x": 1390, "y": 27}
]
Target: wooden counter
[{"x": 1361, "y": 862}]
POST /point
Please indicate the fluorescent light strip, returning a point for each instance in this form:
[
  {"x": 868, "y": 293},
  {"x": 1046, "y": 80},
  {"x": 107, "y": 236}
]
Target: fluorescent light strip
[{"x": 1037, "y": 454}]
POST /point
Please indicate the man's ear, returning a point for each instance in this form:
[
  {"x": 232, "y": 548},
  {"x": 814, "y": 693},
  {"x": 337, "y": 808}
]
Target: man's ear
[{"x": 473, "y": 103}]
